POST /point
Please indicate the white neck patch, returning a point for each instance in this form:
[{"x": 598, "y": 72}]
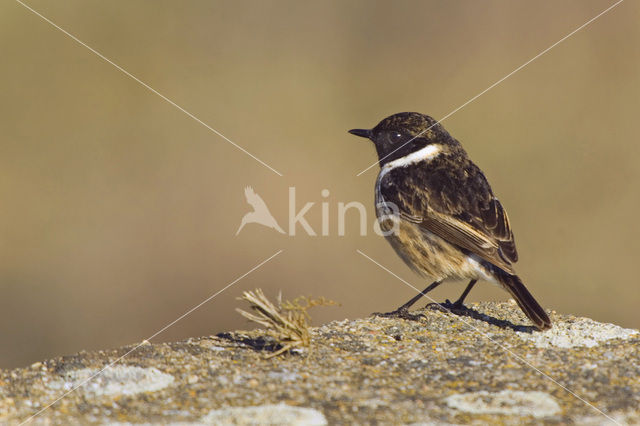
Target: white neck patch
[{"x": 426, "y": 153}]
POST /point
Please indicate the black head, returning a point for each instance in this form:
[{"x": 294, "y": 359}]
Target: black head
[{"x": 403, "y": 133}]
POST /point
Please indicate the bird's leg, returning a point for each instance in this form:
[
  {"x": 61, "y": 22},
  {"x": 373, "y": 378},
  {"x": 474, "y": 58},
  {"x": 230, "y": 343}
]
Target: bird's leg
[
  {"x": 458, "y": 305},
  {"x": 403, "y": 311},
  {"x": 460, "y": 302}
]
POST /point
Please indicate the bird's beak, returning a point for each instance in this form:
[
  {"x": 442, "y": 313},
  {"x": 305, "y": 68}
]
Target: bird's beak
[{"x": 363, "y": 133}]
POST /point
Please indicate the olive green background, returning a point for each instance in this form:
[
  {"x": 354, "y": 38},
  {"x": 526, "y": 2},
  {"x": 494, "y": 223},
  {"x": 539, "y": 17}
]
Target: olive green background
[{"x": 118, "y": 212}]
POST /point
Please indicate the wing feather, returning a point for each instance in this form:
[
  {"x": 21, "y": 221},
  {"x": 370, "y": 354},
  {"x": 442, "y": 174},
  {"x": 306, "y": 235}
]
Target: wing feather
[{"x": 455, "y": 202}]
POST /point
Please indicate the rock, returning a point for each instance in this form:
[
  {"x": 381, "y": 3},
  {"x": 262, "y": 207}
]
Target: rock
[
  {"x": 266, "y": 415},
  {"x": 114, "y": 380},
  {"x": 486, "y": 367},
  {"x": 514, "y": 403},
  {"x": 581, "y": 332}
]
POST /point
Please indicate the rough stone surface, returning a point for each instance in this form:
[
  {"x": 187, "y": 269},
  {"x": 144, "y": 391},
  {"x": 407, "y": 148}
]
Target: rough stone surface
[
  {"x": 115, "y": 380},
  {"x": 517, "y": 403},
  {"x": 488, "y": 366},
  {"x": 581, "y": 332},
  {"x": 272, "y": 414}
]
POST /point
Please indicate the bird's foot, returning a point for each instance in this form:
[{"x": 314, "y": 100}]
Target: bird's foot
[
  {"x": 455, "y": 308},
  {"x": 399, "y": 313}
]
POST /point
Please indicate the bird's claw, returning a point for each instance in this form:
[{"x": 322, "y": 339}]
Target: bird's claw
[{"x": 447, "y": 306}]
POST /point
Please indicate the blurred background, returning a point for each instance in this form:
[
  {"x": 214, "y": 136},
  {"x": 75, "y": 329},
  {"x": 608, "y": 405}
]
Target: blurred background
[{"x": 118, "y": 212}]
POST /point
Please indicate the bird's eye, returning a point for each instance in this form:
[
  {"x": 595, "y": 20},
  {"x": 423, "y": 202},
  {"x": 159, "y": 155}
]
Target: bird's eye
[{"x": 397, "y": 135}]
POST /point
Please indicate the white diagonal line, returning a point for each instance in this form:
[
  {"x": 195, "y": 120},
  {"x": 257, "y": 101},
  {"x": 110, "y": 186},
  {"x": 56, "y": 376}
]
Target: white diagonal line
[
  {"x": 151, "y": 337},
  {"x": 497, "y": 343},
  {"x": 498, "y": 82},
  {"x": 127, "y": 73}
]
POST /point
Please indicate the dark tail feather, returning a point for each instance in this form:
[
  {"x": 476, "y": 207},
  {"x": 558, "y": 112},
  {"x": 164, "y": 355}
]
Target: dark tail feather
[{"x": 524, "y": 299}]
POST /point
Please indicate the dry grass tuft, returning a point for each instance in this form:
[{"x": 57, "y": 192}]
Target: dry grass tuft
[{"x": 286, "y": 321}]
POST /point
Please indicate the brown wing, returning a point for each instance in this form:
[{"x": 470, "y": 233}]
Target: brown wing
[{"x": 451, "y": 198}]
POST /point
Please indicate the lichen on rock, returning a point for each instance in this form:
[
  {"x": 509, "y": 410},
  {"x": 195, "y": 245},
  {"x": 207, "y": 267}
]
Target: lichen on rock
[{"x": 486, "y": 367}]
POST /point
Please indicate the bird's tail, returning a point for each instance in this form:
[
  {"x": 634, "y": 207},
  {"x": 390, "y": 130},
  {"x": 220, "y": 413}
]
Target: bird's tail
[{"x": 524, "y": 299}]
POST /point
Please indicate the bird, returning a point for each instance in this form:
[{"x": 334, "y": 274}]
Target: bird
[
  {"x": 439, "y": 213},
  {"x": 260, "y": 213}
]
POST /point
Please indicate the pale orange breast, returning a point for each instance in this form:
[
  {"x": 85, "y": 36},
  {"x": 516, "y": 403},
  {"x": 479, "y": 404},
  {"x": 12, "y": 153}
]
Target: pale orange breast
[{"x": 430, "y": 255}]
